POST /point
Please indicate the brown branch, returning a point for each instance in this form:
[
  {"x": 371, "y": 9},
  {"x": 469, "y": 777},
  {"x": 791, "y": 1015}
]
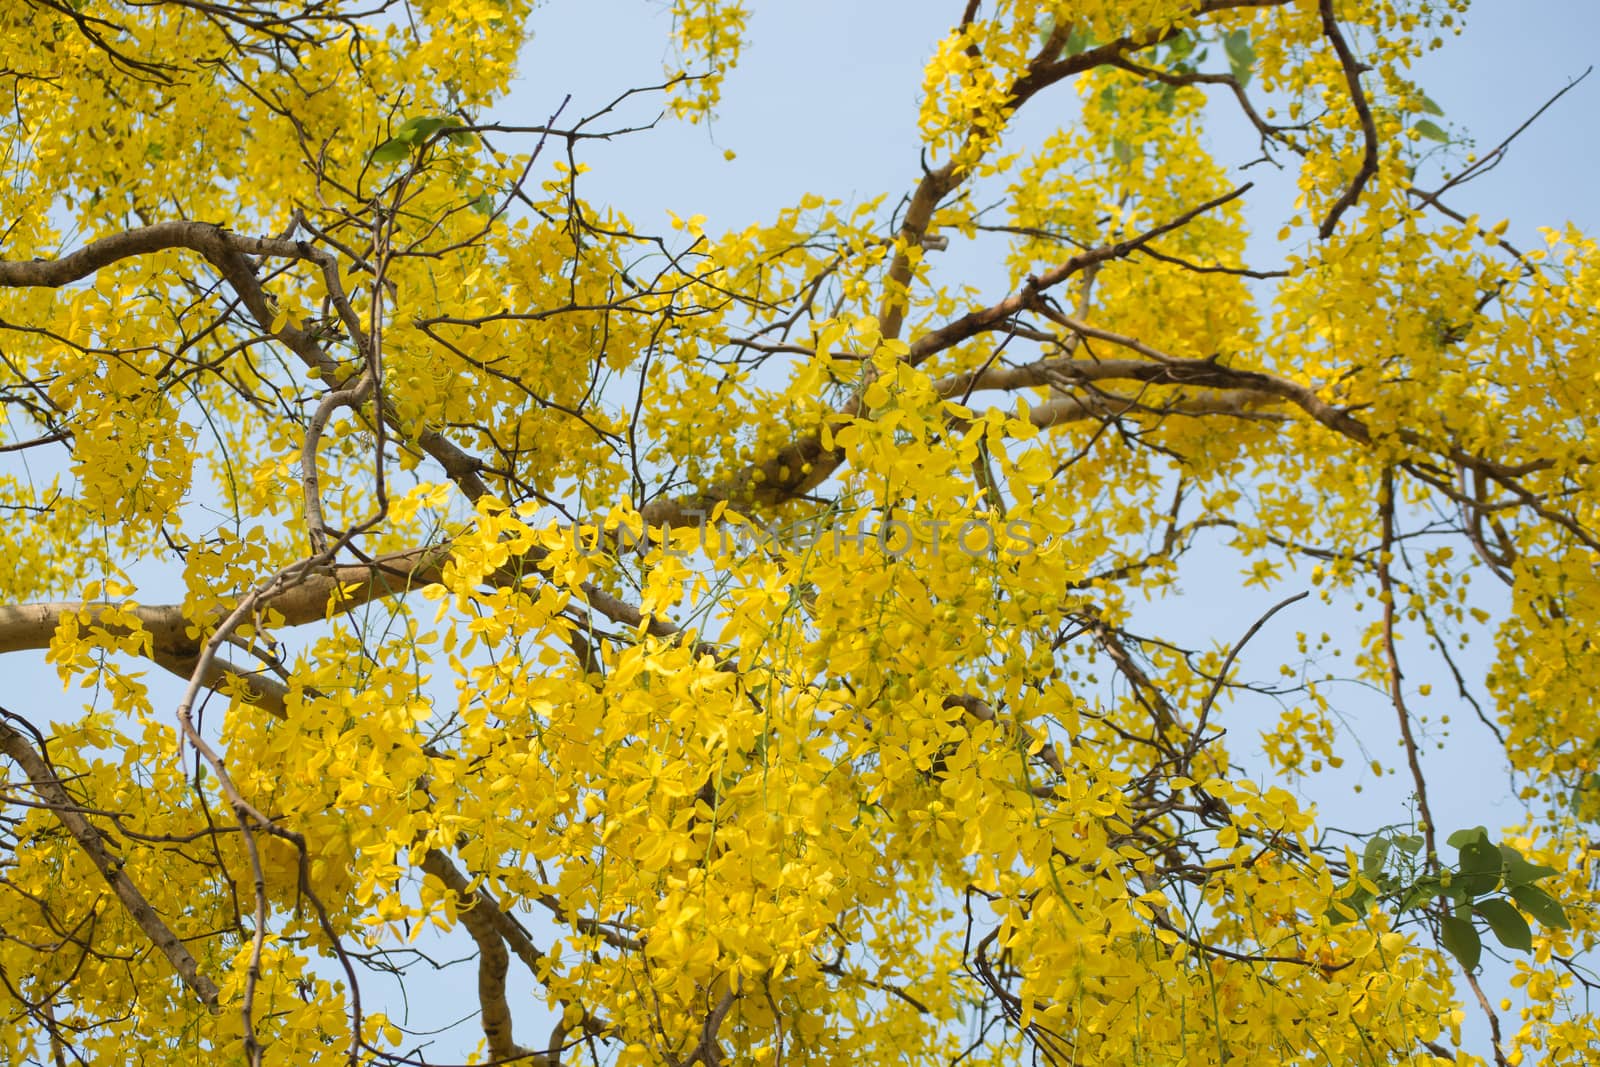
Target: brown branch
[
  {"x": 229, "y": 253},
  {"x": 1488, "y": 160},
  {"x": 976, "y": 322},
  {"x": 307, "y": 600},
  {"x": 268, "y": 694},
  {"x": 1227, "y": 662},
  {"x": 1169, "y": 370},
  {"x": 310, "y": 480},
  {"x": 1369, "y": 132},
  {"x": 486, "y": 923},
  {"x": 1391, "y": 657},
  {"x": 299, "y": 601},
  {"x": 981, "y": 711},
  {"x": 1494, "y": 1021},
  {"x": 1237, "y": 403},
  {"x": 44, "y": 781},
  {"x": 805, "y": 463},
  {"x": 1046, "y": 68},
  {"x": 708, "y": 1050}
]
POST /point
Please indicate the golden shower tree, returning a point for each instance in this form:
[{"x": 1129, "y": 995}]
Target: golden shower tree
[{"x": 723, "y": 647}]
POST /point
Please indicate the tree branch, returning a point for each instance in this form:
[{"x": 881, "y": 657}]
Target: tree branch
[
  {"x": 805, "y": 463},
  {"x": 486, "y": 923},
  {"x": 1369, "y": 132},
  {"x": 44, "y": 781},
  {"x": 228, "y": 252}
]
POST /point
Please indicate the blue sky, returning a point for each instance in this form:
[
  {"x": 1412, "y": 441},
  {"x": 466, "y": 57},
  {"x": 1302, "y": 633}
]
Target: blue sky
[{"x": 826, "y": 97}]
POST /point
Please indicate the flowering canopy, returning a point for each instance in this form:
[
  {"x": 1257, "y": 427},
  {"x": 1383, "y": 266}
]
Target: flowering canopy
[{"x": 732, "y": 648}]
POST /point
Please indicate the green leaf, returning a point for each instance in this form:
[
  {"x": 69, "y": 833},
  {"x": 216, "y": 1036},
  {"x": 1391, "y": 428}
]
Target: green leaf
[
  {"x": 1430, "y": 107},
  {"x": 1079, "y": 39},
  {"x": 1479, "y": 869},
  {"x": 1410, "y": 844},
  {"x": 413, "y": 133},
  {"x": 1374, "y": 855},
  {"x": 1241, "y": 56},
  {"x": 483, "y": 204},
  {"x": 1122, "y": 150},
  {"x": 1583, "y": 795},
  {"x": 1450, "y": 888},
  {"x": 1541, "y": 905},
  {"x": 391, "y": 151},
  {"x": 1506, "y": 922},
  {"x": 1461, "y": 941},
  {"x": 417, "y": 130},
  {"x": 1431, "y": 131},
  {"x": 1046, "y": 26},
  {"x": 1350, "y": 908},
  {"x": 1518, "y": 871},
  {"x": 1424, "y": 890},
  {"x": 1461, "y": 837}
]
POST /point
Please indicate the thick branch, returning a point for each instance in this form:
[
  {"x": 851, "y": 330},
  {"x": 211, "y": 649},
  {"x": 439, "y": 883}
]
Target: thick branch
[
  {"x": 174, "y": 641},
  {"x": 44, "y": 781},
  {"x": 1238, "y": 403},
  {"x": 485, "y": 922},
  {"x": 1047, "y": 68},
  {"x": 228, "y": 252},
  {"x": 805, "y": 463}
]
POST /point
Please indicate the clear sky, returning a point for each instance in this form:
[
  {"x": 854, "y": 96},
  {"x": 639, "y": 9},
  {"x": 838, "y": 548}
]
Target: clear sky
[{"x": 826, "y": 97}]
